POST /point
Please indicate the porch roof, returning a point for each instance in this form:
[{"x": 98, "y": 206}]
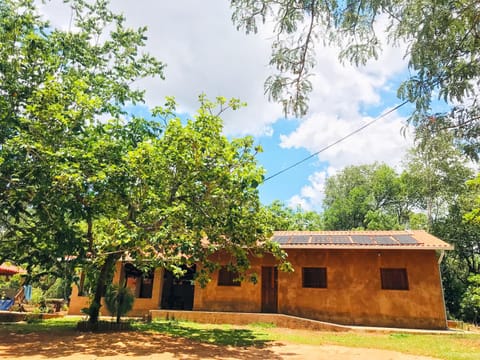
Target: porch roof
[
  {"x": 413, "y": 240},
  {"x": 7, "y": 269}
]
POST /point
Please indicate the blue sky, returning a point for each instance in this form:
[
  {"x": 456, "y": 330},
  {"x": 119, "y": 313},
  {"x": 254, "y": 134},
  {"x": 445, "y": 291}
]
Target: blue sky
[
  {"x": 205, "y": 54},
  {"x": 274, "y": 159}
]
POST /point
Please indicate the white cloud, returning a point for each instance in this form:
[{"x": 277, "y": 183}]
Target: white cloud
[
  {"x": 311, "y": 196},
  {"x": 204, "y": 53},
  {"x": 380, "y": 142},
  {"x": 340, "y": 92}
]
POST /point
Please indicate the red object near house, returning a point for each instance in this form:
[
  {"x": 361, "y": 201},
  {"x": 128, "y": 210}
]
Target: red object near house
[{"x": 10, "y": 270}]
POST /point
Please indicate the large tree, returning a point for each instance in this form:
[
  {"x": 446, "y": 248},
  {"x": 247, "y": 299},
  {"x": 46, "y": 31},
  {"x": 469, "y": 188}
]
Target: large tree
[
  {"x": 436, "y": 173},
  {"x": 367, "y": 197},
  {"x": 178, "y": 197},
  {"x": 83, "y": 183},
  {"x": 443, "y": 51},
  {"x": 55, "y": 87},
  {"x": 464, "y": 260}
]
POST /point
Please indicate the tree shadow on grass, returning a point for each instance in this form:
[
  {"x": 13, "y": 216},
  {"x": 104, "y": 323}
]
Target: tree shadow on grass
[
  {"x": 227, "y": 336},
  {"x": 182, "y": 342}
]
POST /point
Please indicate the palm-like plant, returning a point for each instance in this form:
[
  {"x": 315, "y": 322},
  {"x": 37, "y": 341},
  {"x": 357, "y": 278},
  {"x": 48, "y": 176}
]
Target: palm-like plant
[{"x": 119, "y": 300}]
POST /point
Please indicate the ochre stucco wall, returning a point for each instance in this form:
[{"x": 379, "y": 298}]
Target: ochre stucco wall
[
  {"x": 353, "y": 296},
  {"x": 141, "y": 306},
  {"x": 243, "y": 298}
]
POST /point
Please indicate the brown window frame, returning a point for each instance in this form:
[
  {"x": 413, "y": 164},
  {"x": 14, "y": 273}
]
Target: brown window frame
[
  {"x": 394, "y": 279},
  {"x": 314, "y": 278},
  {"x": 227, "y": 277}
]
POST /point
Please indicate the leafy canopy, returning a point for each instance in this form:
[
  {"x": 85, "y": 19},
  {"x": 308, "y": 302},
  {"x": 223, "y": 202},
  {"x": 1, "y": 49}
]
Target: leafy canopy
[
  {"x": 83, "y": 183},
  {"x": 442, "y": 49},
  {"x": 55, "y": 86}
]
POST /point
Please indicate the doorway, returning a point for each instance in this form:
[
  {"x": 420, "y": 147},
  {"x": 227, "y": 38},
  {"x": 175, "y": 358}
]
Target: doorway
[
  {"x": 269, "y": 289},
  {"x": 177, "y": 293}
]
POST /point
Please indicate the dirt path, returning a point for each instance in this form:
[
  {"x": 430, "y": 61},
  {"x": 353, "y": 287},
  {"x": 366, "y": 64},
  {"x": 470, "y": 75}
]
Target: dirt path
[{"x": 72, "y": 345}]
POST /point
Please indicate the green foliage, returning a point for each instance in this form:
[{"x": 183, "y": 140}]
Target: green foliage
[
  {"x": 464, "y": 261},
  {"x": 470, "y": 305},
  {"x": 473, "y": 216},
  {"x": 436, "y": 173},
  {"x": 119, "y": 300},
  {"x": 79, "y": 179},
  {"x": 418, "y": 221},
  {"x": 282, "y": 217},
  {"x": 38, "y": 297},
  {"x": 442, "y": 50},
  {"x": 379, "y": 220},
  {"x": 13, "y": 281},
  {"x": 206, "y": 189},
  {"x": 60, "y": 289},
  {"x": 365, "y": 197},
  {"x": 54, "y": 153},
  {"x": 10, "y": 286},
  {"x": 453, "y": 274},
  {"x": 52, "y": 326}
]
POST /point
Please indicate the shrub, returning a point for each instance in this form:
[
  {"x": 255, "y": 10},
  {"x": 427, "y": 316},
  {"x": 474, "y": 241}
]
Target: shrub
[{"x": 119, "y": 300}]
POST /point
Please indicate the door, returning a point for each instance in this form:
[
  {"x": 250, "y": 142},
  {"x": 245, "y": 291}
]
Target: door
[
  {"x": 269, "y": 289},
  {"x": 177, "y": 293}
]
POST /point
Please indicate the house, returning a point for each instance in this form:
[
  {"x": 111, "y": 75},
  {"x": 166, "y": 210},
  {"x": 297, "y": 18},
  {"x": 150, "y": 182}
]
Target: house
[{"x": 372, "y": 278}]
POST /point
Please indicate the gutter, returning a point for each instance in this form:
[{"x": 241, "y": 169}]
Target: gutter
[{"x": 442, "y": 255}]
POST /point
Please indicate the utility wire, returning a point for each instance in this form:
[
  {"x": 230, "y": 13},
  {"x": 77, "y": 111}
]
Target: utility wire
[{"x": 337, "y": 142}]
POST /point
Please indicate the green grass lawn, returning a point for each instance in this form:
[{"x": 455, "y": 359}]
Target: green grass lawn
[
  {"x": 449, "y": 346},
  {"x": 445, "y": 346},
  {"x": 52, "y": 325}
]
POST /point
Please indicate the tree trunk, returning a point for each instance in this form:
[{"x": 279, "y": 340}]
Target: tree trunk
[
  {"x": 94, "y": 309},
  {"x": 119, "y": 304}
]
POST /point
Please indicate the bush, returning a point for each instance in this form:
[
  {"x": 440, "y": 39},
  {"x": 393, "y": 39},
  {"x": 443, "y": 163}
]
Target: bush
[
  {"x": 119, "y": 300},
  {"x": 57, "y": 290},
  {"x": 38, "y": 297}
]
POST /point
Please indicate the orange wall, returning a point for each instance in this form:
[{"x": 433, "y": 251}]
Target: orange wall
[
  {"x": 141, "y": 306},
  {"x": 354, "y": 294},
  {"x": 243, "y": 298}
]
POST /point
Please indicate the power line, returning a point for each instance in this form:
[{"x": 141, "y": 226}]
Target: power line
[{"x": 337, "y": 142}]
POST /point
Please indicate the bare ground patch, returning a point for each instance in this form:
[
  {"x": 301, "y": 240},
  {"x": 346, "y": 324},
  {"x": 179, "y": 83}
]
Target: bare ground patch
[{"x": 134, "y": 345}]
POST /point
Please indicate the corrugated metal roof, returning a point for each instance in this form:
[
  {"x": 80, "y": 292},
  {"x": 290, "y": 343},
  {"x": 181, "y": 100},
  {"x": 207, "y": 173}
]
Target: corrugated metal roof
[{"x": 414, "y": 239}]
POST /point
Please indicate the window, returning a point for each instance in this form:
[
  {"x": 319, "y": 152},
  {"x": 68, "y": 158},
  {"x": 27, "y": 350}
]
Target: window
[
  {"x": 227, "y": 277},
  {"x": 314, "y": 278},
  {"x": 394, "y": 279},
  {"x": 141, "y": 283}
]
